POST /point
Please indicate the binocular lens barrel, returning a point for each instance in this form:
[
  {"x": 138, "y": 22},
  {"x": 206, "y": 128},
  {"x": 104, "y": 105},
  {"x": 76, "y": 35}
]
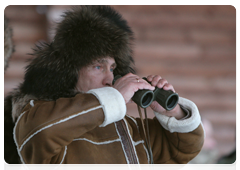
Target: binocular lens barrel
[
  {"x": 143, "y": 98},
  {"x": 166, "y": 98}
]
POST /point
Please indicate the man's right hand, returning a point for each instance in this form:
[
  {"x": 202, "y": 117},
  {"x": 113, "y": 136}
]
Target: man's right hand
[{"x": 129, "y": 84}]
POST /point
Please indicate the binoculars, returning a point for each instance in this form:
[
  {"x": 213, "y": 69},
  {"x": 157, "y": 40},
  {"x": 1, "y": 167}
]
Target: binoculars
[{"x": 166, "y": 98}]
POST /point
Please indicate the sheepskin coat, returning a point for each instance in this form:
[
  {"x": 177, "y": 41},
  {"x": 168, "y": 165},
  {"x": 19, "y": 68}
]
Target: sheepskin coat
[{"x": 93, "y": 128}]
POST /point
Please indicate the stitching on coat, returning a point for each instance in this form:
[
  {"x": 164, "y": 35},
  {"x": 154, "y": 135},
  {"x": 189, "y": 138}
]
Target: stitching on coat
[
  {"x": 61, "y": 121},
  {"x": 64, "y": 155},
  {"x": 146, "y": 153},
  {"x": 15, "y": 138},
  {"x": 121, "y": 144},
  {"x": 98, "y": 143},
  {"x": 134, "y": 122},
  {"x": 134, "y": 148},
  {"x": 141, "y": 141},
  {"x": 132, "y": 119},
  {"x": 138, "y": 142}
]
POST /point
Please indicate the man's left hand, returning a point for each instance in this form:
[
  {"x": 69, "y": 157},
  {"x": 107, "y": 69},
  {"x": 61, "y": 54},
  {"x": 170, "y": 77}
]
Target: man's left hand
[{"x": 159, "y": 82}]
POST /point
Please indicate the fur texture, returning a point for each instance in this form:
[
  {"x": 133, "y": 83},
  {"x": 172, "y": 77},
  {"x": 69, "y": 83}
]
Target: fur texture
[
  {"x": 8, "y": 44},
  {"x": 86, "y": 33}
]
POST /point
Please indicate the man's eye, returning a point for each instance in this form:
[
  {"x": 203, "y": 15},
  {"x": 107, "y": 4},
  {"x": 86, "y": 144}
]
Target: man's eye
[
  {"x": 98, "y": 67},
  {"x": 111, "y": 69}
]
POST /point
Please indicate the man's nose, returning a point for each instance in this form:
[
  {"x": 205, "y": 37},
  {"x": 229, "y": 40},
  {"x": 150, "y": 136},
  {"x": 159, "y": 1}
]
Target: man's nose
[{"x": 107, "y": 81}]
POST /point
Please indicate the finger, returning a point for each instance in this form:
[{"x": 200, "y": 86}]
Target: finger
[
  {"x": 138, "y": 79},
  {"x": 168, "y": 87},
  {"x": 150, "y": 77},
  {"x": 154, "y": 105},
  {"x": 156, "y": 79},
  {"x": 136, "y": 82},
  {"x": 143, "y": 85},
  {"x": 161, "y": 83},
  {"x": 129, "y": 78}
]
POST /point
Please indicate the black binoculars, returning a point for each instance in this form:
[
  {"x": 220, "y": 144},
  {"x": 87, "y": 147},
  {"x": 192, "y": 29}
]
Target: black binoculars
[{"x": 166, "y": 98}]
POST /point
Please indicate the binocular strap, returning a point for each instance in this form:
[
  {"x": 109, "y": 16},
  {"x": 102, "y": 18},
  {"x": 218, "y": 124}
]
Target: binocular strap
[{"x": 146, "y": 134}]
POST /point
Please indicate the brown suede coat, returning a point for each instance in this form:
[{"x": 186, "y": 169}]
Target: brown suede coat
[{"x": 68, "y": 131}]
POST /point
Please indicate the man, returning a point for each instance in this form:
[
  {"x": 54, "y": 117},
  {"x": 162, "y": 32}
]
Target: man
[{"x": 68, "y": 111}]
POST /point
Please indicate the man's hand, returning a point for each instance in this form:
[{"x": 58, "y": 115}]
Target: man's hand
[
  {"x": 129, "y": 84},
  {"x": 158, "y": 81}
]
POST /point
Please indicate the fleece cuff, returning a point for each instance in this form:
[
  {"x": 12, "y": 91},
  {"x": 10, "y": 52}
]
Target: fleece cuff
[
  {"x": 113, "y": 103},
  {"x": 183, "y": 126}
]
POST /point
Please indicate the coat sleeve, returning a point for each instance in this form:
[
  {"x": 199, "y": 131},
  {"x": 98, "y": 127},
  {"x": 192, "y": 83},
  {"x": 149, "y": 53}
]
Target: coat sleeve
[
  {"x": 45, "y": 127},
  {"x": 176, "y": 141}
]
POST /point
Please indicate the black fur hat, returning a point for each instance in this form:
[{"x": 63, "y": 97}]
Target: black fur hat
[{"x": 86, "y": 33}]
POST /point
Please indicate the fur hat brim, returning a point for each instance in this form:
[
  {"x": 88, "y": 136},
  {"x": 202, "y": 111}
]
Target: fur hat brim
[{"x": 86, "y": 34}]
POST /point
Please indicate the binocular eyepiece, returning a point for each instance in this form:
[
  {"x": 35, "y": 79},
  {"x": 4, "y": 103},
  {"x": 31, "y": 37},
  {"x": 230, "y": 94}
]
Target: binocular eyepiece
[{"x": 166, "y": 98}]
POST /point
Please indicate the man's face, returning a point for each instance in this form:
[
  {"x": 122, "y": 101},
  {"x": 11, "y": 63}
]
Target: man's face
[{"x": 97, "y": 75}]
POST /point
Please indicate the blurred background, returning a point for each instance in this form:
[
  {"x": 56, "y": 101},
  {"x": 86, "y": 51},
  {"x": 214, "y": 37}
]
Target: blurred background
[{"x": 193, "y": 47}]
